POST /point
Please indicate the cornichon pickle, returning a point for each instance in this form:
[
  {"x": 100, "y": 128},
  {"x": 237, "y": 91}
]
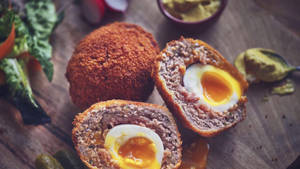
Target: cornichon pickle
[
  {"x": 44, "y": 161},
  {"x": 69, "y": 160}
]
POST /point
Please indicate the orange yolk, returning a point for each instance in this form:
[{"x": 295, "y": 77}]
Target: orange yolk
[
  {"x": 138, "y": 152},
  {"x": 215, "y": 87},
  {"x": 194, "y": 156}
]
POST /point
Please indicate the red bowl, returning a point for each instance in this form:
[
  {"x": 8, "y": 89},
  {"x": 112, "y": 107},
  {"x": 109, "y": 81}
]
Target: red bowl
[{"x": 197, "y": 25}]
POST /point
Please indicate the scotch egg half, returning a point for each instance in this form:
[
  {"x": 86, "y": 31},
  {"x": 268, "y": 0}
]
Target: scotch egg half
[
  {"x": 216, "y": 88},
  {"x": 134, "y": 147}
]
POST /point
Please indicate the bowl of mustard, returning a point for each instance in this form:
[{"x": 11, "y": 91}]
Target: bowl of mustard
[{"x": 192, "y": 14}]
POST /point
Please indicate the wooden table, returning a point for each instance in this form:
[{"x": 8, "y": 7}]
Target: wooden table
[{"x": 268, "y": 138}]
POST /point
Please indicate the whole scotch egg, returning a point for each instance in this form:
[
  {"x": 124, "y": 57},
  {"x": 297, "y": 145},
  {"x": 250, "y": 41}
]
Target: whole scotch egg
[
  {"x": 200, "y": 86},
  {"x": 112, "y": 62}
]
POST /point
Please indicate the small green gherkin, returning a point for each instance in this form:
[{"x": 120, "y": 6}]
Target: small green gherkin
[{"x": 44, "y": 161}]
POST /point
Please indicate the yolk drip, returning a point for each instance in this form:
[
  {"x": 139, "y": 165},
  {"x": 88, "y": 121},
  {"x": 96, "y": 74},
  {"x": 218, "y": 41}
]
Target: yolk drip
[
  {"x": 138, "y": 152},
  {"x": 194, "y": 155},
  {"x": 216, "y": 88}
]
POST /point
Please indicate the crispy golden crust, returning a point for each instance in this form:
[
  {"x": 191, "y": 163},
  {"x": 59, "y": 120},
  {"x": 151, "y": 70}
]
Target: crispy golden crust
[
  {"x": 113, "y": 62},
  {"x": 175, "y": 108},
  {"x": 80, "y": 117}
]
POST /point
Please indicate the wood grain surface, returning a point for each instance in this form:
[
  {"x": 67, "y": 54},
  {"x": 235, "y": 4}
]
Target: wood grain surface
[{"x": 269, "y": 138}]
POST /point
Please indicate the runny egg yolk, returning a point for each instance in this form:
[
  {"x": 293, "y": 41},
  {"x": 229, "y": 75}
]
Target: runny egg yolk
[
  {"x": 138, "y": 152},
  {"x": 134, "y": 147},
  {"x": 215, "y": 87}
]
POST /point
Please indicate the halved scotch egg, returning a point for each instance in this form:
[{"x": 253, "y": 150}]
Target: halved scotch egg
[
  {"x": 120, "y": 134},
  {"x": 200, "y": 86}
]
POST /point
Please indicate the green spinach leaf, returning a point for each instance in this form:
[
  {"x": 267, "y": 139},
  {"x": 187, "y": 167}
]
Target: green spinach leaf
[
  {"x": 16, "y": 78},
  {"x": 22, "y": 38},
  {"x": 20, "y": 93},
  {"x": 42, "y": 51},
  {"x": 41, "y": 17}
]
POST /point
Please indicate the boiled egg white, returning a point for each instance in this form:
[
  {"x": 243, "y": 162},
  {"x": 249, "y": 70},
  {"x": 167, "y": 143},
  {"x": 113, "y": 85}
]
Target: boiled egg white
[
  {"x": 134, "y": 147},
  {"x": 216, "y": 88}
]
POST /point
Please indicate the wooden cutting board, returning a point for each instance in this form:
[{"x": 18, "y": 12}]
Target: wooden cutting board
[{"x": 268, "y": 138}]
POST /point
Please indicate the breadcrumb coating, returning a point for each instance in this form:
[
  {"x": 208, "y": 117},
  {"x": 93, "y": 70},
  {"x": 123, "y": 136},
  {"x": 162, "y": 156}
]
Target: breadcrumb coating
[{"x": 112, "y": 62}]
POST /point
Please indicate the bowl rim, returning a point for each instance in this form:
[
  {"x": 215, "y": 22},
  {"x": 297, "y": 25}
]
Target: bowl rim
[{"x": 173, "y": 18}]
